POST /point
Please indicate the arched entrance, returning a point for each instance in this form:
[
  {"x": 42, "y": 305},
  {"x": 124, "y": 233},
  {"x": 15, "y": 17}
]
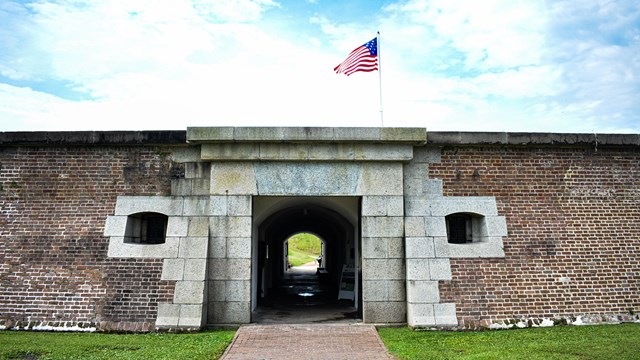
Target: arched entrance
[{"x": 280, "y": 293}]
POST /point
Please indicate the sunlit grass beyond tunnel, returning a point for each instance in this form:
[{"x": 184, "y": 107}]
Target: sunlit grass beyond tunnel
[{"x": 304, "y": 248}]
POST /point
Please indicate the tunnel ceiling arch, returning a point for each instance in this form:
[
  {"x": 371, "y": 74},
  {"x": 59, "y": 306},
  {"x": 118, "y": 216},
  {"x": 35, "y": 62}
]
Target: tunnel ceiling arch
[{"x": 326, "y": 223}]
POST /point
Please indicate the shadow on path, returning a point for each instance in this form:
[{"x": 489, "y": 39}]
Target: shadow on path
[{"x": 302, "y": 299}]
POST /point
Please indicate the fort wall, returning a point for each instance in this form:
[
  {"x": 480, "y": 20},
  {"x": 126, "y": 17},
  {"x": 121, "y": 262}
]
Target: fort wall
[{"x": 569, "y": 251}]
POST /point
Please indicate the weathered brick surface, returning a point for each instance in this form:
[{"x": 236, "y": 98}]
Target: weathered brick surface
[
  {"x": 573, "y": 217},
  {"x": 53, "y": 206}
]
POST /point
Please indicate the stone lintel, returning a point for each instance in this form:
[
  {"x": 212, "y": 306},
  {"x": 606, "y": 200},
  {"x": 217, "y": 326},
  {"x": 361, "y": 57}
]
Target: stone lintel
[
  {"x": 265, "y": 151},
  {"x": 211, "y": 135}
]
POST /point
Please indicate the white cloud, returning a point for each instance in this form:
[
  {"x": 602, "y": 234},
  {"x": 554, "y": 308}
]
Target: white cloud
[
  {"x": 491, "y": 34},
  {"x": 493, "y": 66}
]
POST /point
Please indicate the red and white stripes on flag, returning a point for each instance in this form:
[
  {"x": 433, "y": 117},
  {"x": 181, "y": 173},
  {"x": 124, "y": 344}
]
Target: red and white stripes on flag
[{"x": 363, "y": 58}]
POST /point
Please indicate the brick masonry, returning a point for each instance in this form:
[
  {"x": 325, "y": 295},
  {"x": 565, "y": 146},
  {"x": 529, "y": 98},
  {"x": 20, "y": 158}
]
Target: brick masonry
[
  {"x": 571, "y": 208},
  {"x": 53, "y": 205},
  {"x": 573, "y": 246}
]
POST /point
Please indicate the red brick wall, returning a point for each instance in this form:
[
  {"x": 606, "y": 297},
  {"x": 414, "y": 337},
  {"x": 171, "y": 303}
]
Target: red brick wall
[
  {"x": 573, "y": 218},
  {"x": 53, "y": 206}
]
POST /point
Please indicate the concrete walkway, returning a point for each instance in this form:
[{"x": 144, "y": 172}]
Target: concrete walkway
[{"x": 311, "y": 341}]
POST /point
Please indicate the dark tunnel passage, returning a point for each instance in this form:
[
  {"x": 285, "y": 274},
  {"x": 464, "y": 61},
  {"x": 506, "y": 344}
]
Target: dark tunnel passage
[{"x": 296, "y": 294}]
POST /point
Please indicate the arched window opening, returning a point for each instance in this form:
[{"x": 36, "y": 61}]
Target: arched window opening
[
  {"x": 146, "y": 228},
  {"x": 463, "y": 228}
]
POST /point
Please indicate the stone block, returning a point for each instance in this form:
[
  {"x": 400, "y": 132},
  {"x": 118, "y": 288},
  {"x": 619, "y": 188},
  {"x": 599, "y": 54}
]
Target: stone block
[
  {"x": 419, "y": 247},
  {"x": 182, "y": 187},
  {"x": 239, "y": 247},
  {"x": 230, "y": 205},
  {"x": 380, "y": 152},
  {"x": 218, "y": 205},
  {"x": 375, "y": 290},
  {"x": 440, "y": 269},
  {"x": 218, "y": 247},
  {"x": 186, "y": 154},
  {"x": 230, "y": 151},
  {"x": 230, "y": 226},
  {"x": 374, "y": 206},
  {"x": 189, "y": 292},
  {"x": 239, "y": 206},
  {"x": 191, "y": 316},
  {"x": 405, "y": 135},
  {"x": 115, "y": 226},
  {"x": 233, "y": 178},
  {"x": 414, "y": 226},
  {"x": 492, "y": 247},
  {"x": 383, "y": 269},
  {"x": 342, "y": 134},
  {"x": 308, "y": 133},
  {"x": 340, "y": 152},
  {"x": 380, "y": 179},
  {"x": 229, "y": 312},
  {"x": 119, "y": 249},
  {"x": 414, "y": 187},
  {"x": 201, "y": 186},
  {"x": 198, "y": 227},
  {"x": 418, "y": 269},
  {"x": 196, "y": 206},
  {"x": 239, "y": 291},
  {"x": 307, "y": 178},
  {"x": 385, "y": 312},
  {"x": 420, "y": 315},
  {"x": 373, "y": 248},
  {"x": 416, "y": 170},
  {"x": 197, "y": 170},
  {"x": 496, "y": 226},
  {"x": 383, "y": 290},
  {"x": 193, "y": 247},
  {"x": 209, "y": 134},
  {"x": 426, "y": 154},
  {"x": 382, "y": 248},
  {"x": 423, "y": 291},
  {"x": 382, "y": 206},
  {"x": 195, "y": 269},
  {"x": 283, "y": 151},
  {"x": 397, "y": 290},
  {"x": 396, "y": 247},
  {"x": 172, "y": 269},
  {"x": 265, "y": 134},
  {"x": 433, "y": 188},
  {"x": 482, "y": 205},
  {"x": 168, "y": 315},
  {"x": 217, "y": 290},
  {"x": 177, "y": 226},
  {"x": 230, "y": 269},
  {"x": 415, "y": 207},
  {"x": 167, "y": 205},
  {"x": 378, "y": 226},
  {"x": 445, "y": 314},
  {"x": 435, "y": 226}
]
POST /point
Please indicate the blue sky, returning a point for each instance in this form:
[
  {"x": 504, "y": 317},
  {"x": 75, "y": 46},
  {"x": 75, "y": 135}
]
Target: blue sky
[{"x": 494, "y": 65}]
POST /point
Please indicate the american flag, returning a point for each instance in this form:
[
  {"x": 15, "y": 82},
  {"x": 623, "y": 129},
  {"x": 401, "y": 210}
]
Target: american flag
[{"x": 363, "y": 58}]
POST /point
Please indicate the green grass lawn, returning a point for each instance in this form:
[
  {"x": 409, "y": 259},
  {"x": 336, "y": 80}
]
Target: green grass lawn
[
  {"x": 56, "y": 345},
  {"x": 560, "y": 342},
  {"x": 303, "y": 248}
]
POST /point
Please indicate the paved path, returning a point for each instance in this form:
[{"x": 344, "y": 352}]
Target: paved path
[{"x": 330, "y": 342}]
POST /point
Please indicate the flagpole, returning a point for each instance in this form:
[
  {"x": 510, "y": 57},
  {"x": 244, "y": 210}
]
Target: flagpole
[{"x": 380, "y": 80}]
